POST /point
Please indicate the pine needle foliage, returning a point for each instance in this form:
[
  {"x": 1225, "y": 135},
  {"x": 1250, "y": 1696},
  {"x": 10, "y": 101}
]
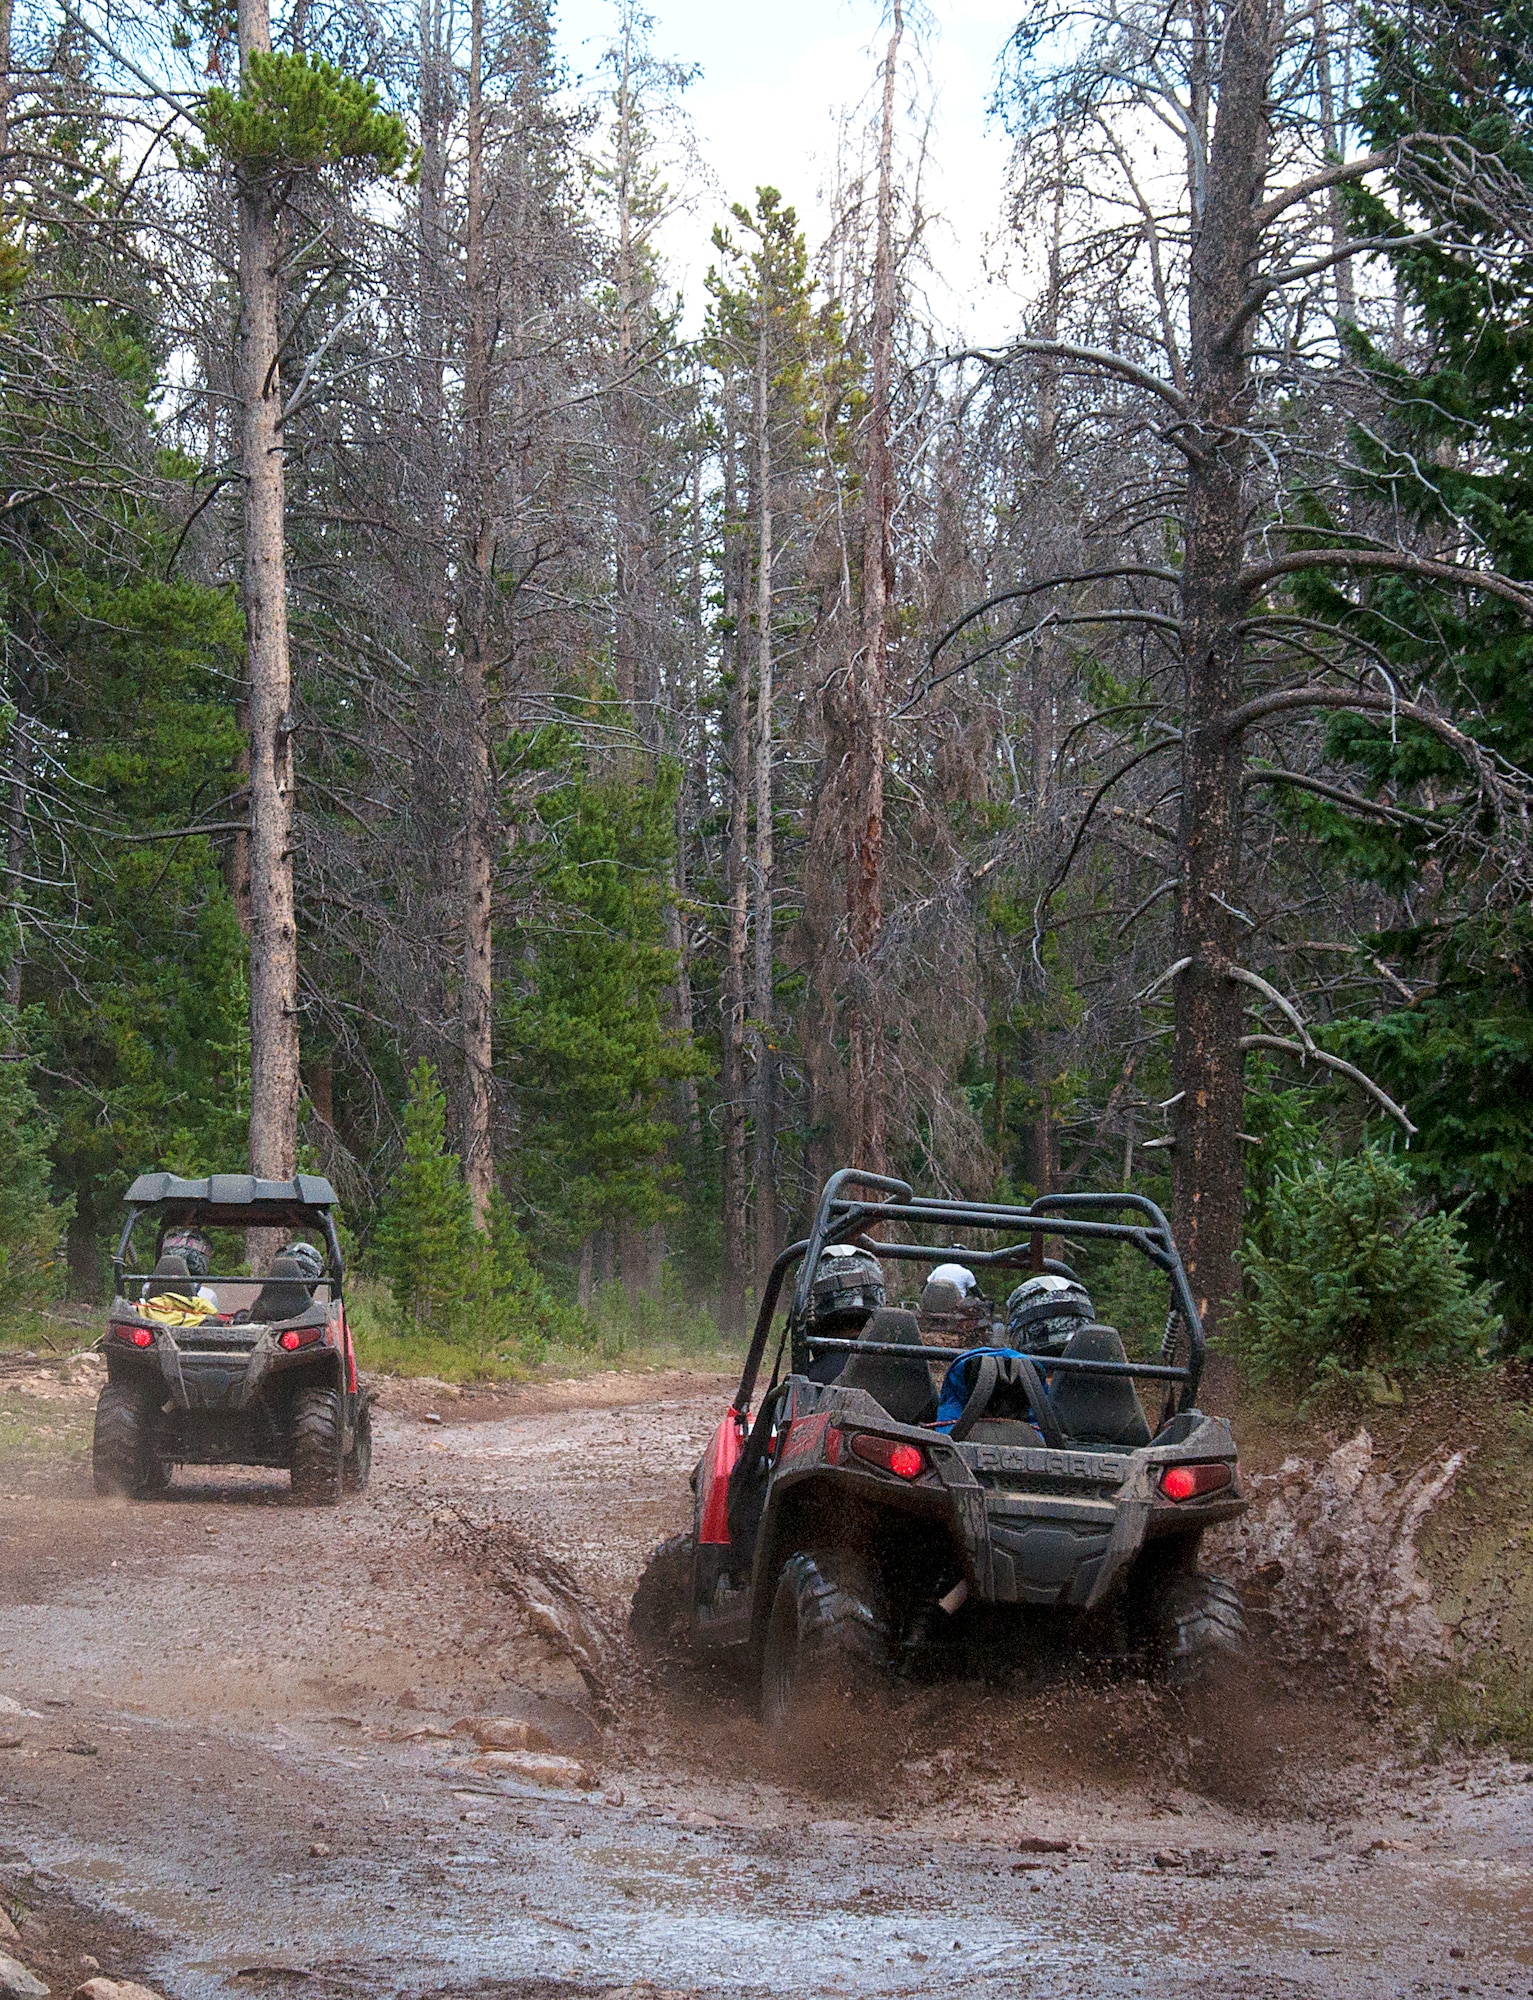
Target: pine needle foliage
[
  {"x": 294, "y": 113},
  {"x": 1357, "y": 1288}
]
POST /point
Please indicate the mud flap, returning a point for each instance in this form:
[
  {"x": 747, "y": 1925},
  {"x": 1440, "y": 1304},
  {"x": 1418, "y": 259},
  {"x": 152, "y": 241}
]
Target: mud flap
[
  {"x": 968, "y": 1498},
  {"x": 1126, "y": 1539}
]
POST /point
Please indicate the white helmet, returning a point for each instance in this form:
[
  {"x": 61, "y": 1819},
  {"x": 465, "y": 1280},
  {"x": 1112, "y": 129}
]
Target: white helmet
[{"x": 957, "y": 1275}]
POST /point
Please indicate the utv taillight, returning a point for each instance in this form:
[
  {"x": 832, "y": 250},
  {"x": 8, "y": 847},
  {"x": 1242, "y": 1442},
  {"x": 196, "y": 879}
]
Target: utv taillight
[
  {"x": 1186, "y": 1482},
  {"x": 296, "y": 1337},
  {"x": 135, "y": 1336},
  {"x": 905, "y": 1461}
]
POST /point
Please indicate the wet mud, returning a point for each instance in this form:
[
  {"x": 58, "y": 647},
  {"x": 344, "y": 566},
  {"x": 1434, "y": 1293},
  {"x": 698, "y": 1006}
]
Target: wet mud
[{"x": 246, "y": 1768}]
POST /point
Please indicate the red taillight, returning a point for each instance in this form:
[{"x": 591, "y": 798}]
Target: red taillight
[
  {"x": 289, "y": 1340},
  {"x": 1185, "y": 1482},
  {"x": 135, "y": 1336},
  {"x": 300, "y": 1336},
  {"x": 905, "y": 1461}
]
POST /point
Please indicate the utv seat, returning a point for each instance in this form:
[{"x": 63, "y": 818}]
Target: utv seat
[
  {"x": 171, "y": 1277},
  {"x": 283, "y": 1296},
  {"x": 1097, "y": 1409},
  {"x": 903, "y": 1387}
]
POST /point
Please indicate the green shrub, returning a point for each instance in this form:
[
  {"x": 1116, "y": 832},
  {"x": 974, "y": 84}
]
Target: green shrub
[
  {"x": 1354, "y": 1285},
  {"x": 31, "y": 1226}
]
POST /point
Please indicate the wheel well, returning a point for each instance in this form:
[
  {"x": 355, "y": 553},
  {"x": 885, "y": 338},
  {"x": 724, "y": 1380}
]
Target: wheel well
[{"x": 914, "y": 1556}]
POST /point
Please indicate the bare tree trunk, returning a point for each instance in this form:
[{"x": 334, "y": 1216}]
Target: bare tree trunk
[
  {"x": 15, "y": 855},
  {"x": 765, "y": 868},
  {"x": 1331, "y": 139},
  {"x": 732, "y": 1065},
  {"x": 5, "y": 96},
  {"x": 478, "y": 833},
  {"x": 634, "y": 694},
  {"x": 274, "y": 1081},
  {"x": 1208, "y": 1171},
  {"x": 868, "y": 689}
]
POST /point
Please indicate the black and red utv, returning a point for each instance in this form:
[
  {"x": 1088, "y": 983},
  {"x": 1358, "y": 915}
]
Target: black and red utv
[
  {"x": 947, "y": 1466},
  {"x": 204, "y": 1369}
]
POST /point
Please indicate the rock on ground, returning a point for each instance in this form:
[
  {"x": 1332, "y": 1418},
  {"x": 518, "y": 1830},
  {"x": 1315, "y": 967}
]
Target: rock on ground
[
  {"x": 113, "y": 1989},
  {"x": 16, "y": 1983}
]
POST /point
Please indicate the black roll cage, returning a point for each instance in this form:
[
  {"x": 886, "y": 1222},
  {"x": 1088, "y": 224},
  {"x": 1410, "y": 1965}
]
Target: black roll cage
[
  {"x": 184, "y": 1214},
  {"x": 841, "y": 1219}
]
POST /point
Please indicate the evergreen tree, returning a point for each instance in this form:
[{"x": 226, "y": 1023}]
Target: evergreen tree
[{"x": 427, "y": 1230}]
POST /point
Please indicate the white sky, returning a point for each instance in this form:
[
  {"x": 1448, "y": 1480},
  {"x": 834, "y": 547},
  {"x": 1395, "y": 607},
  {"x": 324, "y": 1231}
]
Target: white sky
[{"x": 773, "y": 80}]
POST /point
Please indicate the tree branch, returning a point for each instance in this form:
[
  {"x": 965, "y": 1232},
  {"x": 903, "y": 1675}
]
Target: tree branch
[
  {"x": 1392, "y": 561},
  {"x": 1312, "y": 1054},
  {"x": 1088, "y": 357}
]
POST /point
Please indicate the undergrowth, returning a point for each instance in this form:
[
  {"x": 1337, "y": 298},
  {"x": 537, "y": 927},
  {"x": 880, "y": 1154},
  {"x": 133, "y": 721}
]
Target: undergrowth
[{"x": 646, "y": 1332}]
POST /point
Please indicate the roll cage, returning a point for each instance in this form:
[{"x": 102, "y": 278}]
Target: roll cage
[
  {"x": 844, "y": 1218},
  {"x": 230, "y": 1201}
]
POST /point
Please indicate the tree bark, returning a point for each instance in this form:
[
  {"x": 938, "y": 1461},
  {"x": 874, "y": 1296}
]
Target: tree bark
[
  {"x": 1208, "y": 1170},
  {"x": 479, "y": 789},
  {"x": 765, "y": 1093},
  {"x": 868, "y": 680},
  {"x": 274, "y": 1080},
  {"x": 736, "y": 886}
]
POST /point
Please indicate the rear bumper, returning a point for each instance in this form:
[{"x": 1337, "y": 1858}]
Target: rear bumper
[
  {"x": 1066, "y": 1528},
  {"x": 224, "y": 1399}
]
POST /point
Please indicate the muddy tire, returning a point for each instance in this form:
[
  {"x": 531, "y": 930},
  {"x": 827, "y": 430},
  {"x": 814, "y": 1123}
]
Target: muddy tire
[
  {"x": 357, "y": 1466},
  {"x": 661, "y": 1606},
  {"x": 315, "y": 1447},
  {"x": 1199, "y": 1622},
  {"x": 827, "y": 1638},
  {"x": 124, "y": 1462}
]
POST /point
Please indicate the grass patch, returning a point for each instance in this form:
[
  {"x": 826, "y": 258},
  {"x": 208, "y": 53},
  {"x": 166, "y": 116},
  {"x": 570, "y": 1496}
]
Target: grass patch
[
  {"x": 49, "y": 1331},
  {"x": 662, "y": 1332},
  {"x": 33, "y": 1429}
]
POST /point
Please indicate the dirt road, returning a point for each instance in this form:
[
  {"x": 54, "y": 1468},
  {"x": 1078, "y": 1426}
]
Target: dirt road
[{"x": 236, "y": 1775}]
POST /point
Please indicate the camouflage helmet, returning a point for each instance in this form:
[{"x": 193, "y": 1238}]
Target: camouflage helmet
[
  {"x": 847, "y": 1280},
  {"x": 193, "y": 1246},
  {"x": 311, "y": 1265},
  {"x": 1043, "y": 1312}
]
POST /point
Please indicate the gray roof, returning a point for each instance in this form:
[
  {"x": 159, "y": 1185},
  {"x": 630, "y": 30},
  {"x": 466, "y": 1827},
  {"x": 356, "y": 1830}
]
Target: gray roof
[{"x": 233, "y": 1198}]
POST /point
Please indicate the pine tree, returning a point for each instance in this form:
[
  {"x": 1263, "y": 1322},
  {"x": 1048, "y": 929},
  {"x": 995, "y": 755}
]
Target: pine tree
[{"x": 426, "y": 1238}]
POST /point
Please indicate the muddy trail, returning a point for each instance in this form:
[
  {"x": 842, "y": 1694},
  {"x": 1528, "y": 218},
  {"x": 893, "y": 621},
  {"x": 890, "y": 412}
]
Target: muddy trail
[{"x": 248, "y": 1751}]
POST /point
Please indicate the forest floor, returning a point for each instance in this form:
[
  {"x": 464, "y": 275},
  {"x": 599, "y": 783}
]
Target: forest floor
[{"x": 229, "y": 1766}]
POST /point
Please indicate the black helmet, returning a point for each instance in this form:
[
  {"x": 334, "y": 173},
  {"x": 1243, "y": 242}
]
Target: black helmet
[
  {"x": 1043, "y": 1312},
  {"x": 846, "y": 1281},
  {"x": 308, "y": 1263},
  {"x": 193, "y": 1246}
]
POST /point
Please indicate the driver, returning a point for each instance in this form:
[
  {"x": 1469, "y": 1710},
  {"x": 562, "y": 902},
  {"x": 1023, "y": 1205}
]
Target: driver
[
  {"x": 848, "y": 1289},
  {"x": 195, "y": 1248}
]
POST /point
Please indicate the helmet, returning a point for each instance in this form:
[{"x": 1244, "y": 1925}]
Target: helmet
[
  {"x": 310, "y": 1265},
  {"x": 846, "y": 1280},
  {"x": 1042, "y": 1313},
  {"x": 957, "y": 1275},
  {"x": 193, "y": 1246}
]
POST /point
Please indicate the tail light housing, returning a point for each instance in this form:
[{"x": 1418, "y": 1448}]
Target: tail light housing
[
  {"x": 134, "y": 1336},
  {"x": 905, "y": 1461},
  {"x": 294, "y": 1337},
  {"x": 1189, "y": 1482}
]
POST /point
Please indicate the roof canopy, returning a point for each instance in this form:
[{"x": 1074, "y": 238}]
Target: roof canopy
[{"x": 233, "y": 1199}]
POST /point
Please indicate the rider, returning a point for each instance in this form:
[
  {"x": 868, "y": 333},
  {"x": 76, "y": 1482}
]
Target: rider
[
  {"x": 1043, "y": 1313},
  {"x": 198, "y": 1253},
  {"x": 848, "y": 1289}
]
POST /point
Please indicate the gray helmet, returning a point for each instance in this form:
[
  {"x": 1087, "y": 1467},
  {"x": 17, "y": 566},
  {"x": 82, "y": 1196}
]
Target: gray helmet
[
  {"x": 310, "y": 1265},
  {"x": 846, "y": 1281},
  {"x": 1043, "y": 1312}
]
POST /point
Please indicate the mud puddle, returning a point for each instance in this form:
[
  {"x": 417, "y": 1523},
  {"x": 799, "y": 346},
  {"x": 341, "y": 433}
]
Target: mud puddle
[{"x": 274, "y": 1794}]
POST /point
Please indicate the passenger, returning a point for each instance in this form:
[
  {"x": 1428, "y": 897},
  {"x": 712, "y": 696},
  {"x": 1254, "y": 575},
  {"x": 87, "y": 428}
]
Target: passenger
[
  {"x": 310, "y": 1262},
  {"x": 170, "y": 1295},
  {"x": 1043, "y": 1313}
]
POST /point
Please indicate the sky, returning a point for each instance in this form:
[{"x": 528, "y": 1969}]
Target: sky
[{"x": 773, "y": 79}]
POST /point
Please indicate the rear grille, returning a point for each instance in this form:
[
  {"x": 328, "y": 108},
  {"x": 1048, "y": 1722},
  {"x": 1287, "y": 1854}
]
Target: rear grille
[{"x": 1053, "y": 1489}]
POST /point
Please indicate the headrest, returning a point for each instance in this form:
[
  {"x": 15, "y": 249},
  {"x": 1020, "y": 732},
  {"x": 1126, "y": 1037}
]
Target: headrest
[
  {"x": 941, "y": 1297},
  {"x": 896, "y": 1325},
  {"x": 171, "y": 1266},
  {"x": 285, "y": 1267}
]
